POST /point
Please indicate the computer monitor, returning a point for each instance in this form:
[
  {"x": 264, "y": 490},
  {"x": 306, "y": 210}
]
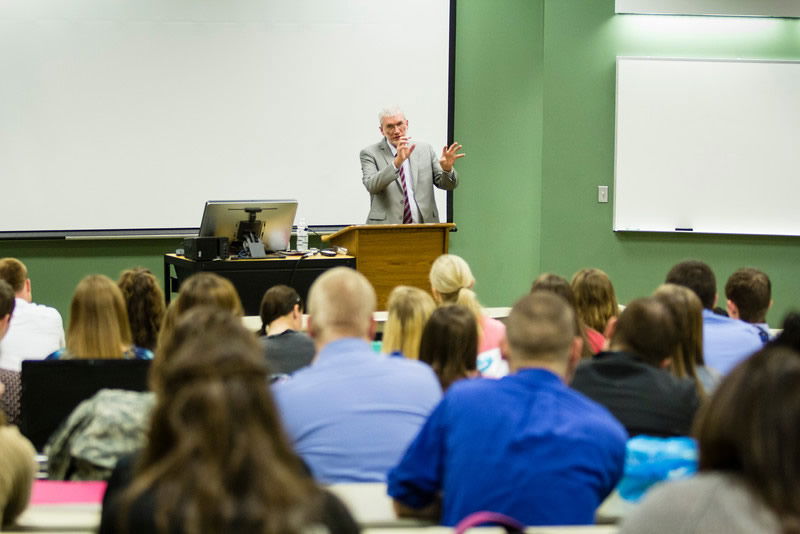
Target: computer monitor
[{"x": 267, "y": 220}]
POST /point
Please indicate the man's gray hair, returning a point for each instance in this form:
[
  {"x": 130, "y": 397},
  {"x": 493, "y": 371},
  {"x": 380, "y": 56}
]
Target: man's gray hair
[{"x": 389, "y": 112}]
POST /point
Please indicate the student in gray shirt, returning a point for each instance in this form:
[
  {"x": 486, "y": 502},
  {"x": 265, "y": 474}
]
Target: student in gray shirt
[{"x": 286, "y": 348}]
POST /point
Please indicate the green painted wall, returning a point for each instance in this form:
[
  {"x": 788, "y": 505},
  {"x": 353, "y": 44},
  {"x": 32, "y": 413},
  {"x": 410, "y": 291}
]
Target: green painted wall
[
  {"x": 581, "y": 41},
  {"x": 535, "y": 113},
  {"x": 498, "y": 119}
]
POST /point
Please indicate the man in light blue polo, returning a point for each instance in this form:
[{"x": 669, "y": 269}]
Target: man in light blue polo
[
  {"x": 353, "y": 412},
  {"x": 726, "y": 341}
]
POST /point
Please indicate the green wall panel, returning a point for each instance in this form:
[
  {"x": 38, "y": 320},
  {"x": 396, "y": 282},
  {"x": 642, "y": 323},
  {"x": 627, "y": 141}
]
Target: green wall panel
[
  {"x": 582, "y": 40},
  {"x": 498, "y": 104}
]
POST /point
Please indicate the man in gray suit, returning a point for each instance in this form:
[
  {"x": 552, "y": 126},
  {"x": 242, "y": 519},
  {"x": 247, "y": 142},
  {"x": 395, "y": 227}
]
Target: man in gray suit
[{"x": 400, "y": 176}]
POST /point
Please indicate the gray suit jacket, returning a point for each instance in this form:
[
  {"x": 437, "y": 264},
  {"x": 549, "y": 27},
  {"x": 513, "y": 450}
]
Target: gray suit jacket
[{"x": 386, "y": 196}]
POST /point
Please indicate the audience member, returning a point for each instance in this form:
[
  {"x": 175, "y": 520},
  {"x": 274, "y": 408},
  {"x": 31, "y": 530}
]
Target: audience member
[
  {"x": 687, "y": 313},
  {"x": 352, "y": 413},
  {"x": 286, "y": 347},
  {"x": 449, "y": 344},
  {"x": 37, "y": 330},
  {"x": 121, "y": 416},
  {"x": 452, "y": 283},
  {"x": 630, "y": 378},
  {"x": 593, "y": 341},
  {"x": 409, "y": 309},
  {"x": 17, "y": 465},
  {"x": 144, "y": 301},
  {"x": 749, "y": 468},
  {"x": 790, "y": 333},
  {"x": 749, "y": 298},
  {"x": 200, "y": 289},
  {"x": 726, "y": 341},
  {"x": 217, "y": 458},
  {"x": 98, "y": 324},
  {"x": 526, "y": 445},
  {"x": 595, "y": 302}
]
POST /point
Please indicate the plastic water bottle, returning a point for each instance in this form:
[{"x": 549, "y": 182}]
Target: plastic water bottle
[{"x": 302, "y": 236}]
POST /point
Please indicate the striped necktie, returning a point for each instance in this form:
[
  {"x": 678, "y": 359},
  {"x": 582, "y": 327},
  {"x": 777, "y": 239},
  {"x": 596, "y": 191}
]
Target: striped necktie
[{"x": 407, "y": 219}]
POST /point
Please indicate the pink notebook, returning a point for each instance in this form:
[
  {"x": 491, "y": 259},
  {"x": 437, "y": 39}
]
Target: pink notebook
[{"x": 57, "y": 491}]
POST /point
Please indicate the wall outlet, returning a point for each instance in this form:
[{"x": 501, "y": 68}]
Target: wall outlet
[{"x": 602, "y": 193}]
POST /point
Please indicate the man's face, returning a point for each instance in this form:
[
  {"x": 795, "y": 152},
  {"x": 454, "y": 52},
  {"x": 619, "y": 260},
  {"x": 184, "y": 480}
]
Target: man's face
[{"x": 394, "y": 127}]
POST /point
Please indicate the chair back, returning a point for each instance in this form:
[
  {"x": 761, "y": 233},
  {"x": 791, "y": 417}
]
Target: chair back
[{"x": 51, "y": 389}]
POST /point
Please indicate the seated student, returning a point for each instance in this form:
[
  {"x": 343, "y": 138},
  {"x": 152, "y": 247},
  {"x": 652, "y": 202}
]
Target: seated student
[
  {"x": 559, "y": 285},
  {"x": 452, "y": 283},
  {"x": 687, "y": 313},
  {"x": 790, "y": 332},
  {"x": 217, "y": 458},
  {"x": 120, "y": 417},
  {"x": 144, "y": 302},
  {"x": 749, "y": 297},
  {"x": 286, "y": 347},
  {"x": 352, "y": 413},
  {"x": 37, "y": 330},
  {"x": 726, "y": 341},
  {"x": 525, "y": 445},
  {"x": 409, "y": 308},
  {"x": 748, "y": 436},
  {"x": 630, "y": 378},
  {"x": 449, "y": 344},
  {"x": 596, "y": 304},
  {"x": 98, "y": 324},
  {"x": 17, "y": 465},
  {"x": 201, "y": 289}
]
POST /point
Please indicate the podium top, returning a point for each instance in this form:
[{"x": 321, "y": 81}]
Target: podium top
[{"x": 370, "y": 227}]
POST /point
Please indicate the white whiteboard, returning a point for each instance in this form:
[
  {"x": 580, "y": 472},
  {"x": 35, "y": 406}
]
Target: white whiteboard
[
  {"x": 707, "y": 145},
  {"x": 130, "y": 114}
]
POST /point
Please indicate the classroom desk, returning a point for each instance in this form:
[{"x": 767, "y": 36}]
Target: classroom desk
[
  {"x": 372, "y": 509},
  {"x": 253, "y": 277}
]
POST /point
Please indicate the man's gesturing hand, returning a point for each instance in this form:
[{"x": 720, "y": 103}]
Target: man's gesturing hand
[
  {"x": 404, "y": 151},
  {"x": 449, "y": 156}
]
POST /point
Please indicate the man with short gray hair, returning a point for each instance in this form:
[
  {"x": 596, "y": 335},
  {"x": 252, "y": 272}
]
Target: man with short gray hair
[
  {"x": 352, "y": 412},
  {"x": 525, "y": 445},
  {"x": 400, "y": 174}
]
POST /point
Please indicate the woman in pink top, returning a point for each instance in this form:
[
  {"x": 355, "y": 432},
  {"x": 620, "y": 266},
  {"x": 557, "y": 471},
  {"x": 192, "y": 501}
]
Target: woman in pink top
[{"x": 452, "y": 283}]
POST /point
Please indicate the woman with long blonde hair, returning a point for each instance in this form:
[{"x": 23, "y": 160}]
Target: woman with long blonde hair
[
  {"x": 452, "y": 283},
  {"x": 98, "y": 324},
  {"x": 408, "y": 310}
]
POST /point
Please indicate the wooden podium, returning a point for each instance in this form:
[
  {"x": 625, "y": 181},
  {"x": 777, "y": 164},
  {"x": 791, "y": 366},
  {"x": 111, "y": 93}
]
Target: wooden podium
[{"x": 393, "y": 254}]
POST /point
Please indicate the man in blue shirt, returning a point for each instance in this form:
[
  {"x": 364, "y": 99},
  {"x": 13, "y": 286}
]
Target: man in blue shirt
[
  {"x": 726, "y": 341},
  {"x": 749, "y": 298},
  {"x": 352, "y": 413},
  {"x": 525, "y": 445}
]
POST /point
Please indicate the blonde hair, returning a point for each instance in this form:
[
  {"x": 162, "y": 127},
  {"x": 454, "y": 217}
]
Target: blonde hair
[
  {"x": 595, "y": 300},
  {"x": 341, "y": 301},
  {"x": 409, "y": 309},
  {"x": 98, "y": 323},
  {"x": 452, "y": 281}
]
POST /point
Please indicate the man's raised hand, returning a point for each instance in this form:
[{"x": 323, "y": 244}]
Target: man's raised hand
[{"x": 449, "y": 156}]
